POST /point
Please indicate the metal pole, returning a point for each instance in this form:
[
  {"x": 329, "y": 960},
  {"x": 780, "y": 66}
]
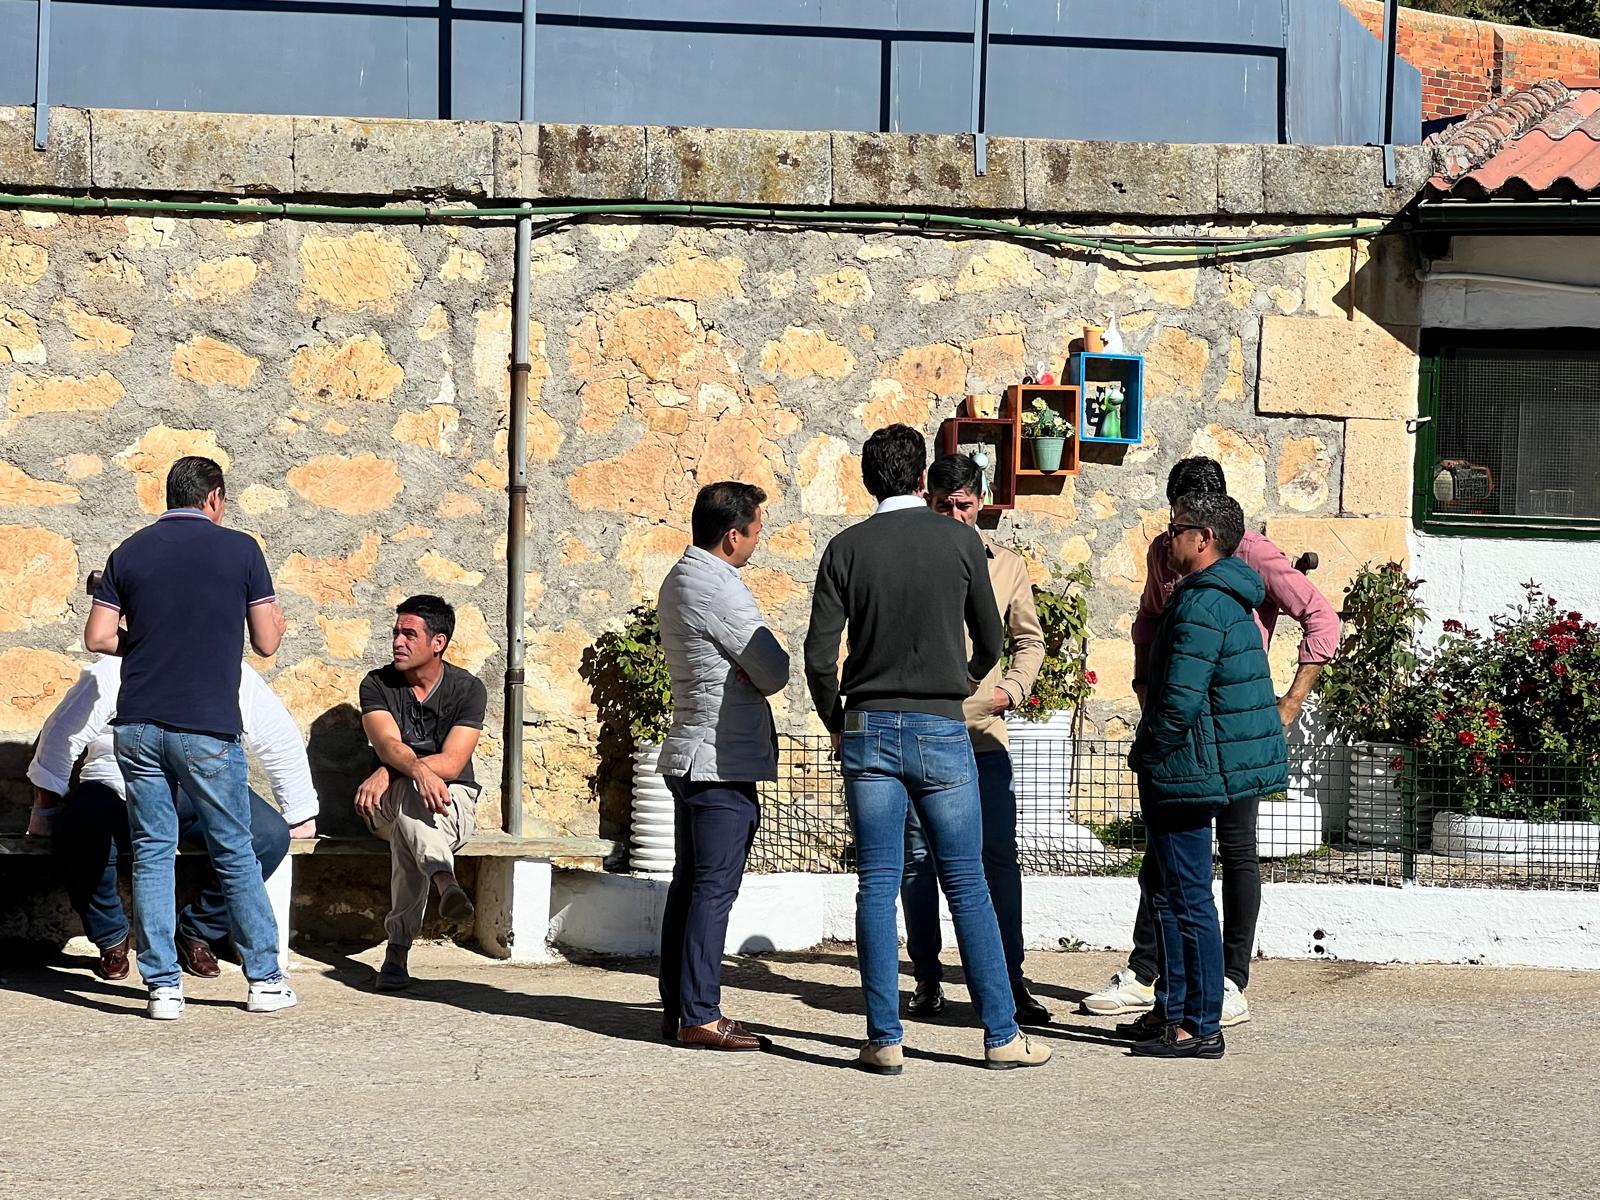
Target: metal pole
[
  {"x": 41, "y": 79},
  {"x": 980, "y": 147},
  {"x": 517, "y": 485},
  {"x": 1391, "y": 37}
]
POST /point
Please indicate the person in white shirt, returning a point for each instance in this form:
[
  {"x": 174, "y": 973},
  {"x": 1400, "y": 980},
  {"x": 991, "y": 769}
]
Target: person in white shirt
[{"x": 88, "y": 822}]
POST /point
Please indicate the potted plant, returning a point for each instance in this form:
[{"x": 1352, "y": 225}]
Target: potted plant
[
  {"x": 1047, "y": 430},
  {"x": 1509, "y": 738},
  {"x": 1041, "y": 729},
  {"x": 1366, "y": 698},
  {"x": 634, "y": 692}
]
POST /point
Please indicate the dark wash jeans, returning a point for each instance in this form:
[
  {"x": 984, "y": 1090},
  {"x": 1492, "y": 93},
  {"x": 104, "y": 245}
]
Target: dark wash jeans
[
  {"x": 91, "y": 836},
  {"x": 919, "y": 893},
  {"x": 1241, "y": 899},
  {"x": 1176, "y": 876},
  {"x": 714, "y": 825},
  {"x": 891, "y": 760}
]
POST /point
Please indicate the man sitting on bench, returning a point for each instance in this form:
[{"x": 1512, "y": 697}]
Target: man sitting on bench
[
  {"x": 423, "y": 717},
  {"x": 90, "y": 828}
]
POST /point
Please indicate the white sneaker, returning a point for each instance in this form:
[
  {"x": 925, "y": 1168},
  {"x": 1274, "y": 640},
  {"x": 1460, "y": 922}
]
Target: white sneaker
[
  {"x": 270, "y": 996},
  {"x": 1235, "y": 1008},
  {"x": 1125, "y": 995},
  {"x": 166, "y": 1003}
]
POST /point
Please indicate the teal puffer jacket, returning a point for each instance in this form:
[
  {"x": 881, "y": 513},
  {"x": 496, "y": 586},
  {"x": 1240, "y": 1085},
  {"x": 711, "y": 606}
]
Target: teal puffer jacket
[{"x": 1210, "y": 732}]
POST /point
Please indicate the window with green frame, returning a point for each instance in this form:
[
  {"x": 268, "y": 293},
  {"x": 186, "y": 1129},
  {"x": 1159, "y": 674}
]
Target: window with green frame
[{"x": 1509, "y": 444}]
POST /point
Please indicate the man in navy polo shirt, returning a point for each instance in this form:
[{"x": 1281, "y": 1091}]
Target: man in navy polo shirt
[{"x": 184, "y": 587}]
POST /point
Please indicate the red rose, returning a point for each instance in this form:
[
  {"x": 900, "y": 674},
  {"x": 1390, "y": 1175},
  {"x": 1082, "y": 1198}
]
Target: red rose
[
  {"x": 1467, "y": 738},
  {"x": 1090, "y": 677},
  {"x": 1559, "y": 669},
  {"x": 1438, "y": 716},
  {"x": 1453, "y": 626},
  {"x": 1491, "y": 718},
  {"x": 1034, "y": 701},
  {"x": 1479, "y": 764},
  {"x": 1397, "y": 763},
  {"x": 1506, "y": 781},
  {"x": 1574, "y": 616},
  {"x": 1536, "y": 644}
]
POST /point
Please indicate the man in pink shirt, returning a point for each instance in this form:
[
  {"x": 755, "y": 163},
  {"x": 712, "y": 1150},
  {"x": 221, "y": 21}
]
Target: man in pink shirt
[{"x": 1290, "y": 594}]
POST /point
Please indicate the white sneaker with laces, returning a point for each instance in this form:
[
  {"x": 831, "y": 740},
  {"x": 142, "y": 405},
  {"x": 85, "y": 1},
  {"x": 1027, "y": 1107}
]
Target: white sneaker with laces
[
  {"x": 1235, "y": 1008},
  {"x": 166, "y": 1003},
  {"x": 1125, "y": 995},
  {"x": 271, "y": 995}
]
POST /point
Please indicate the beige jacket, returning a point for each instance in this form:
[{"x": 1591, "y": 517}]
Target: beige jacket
[{"x": 1013, "y": 591}]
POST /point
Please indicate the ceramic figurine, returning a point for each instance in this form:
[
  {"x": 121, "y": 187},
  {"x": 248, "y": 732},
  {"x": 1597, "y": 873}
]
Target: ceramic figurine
[
  {"x": 1111, "y": 401},
  {"x": 982, "y": 461}
]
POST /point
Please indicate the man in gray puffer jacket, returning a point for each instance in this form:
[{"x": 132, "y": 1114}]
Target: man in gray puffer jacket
[{"x": 724, "y": 663}]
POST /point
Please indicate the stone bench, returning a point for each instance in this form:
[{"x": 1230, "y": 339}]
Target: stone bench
[{"x": 513, "y": 890}]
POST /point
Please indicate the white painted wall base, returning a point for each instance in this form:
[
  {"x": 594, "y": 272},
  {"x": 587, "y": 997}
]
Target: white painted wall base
[
  {"x": 513, "y": 909},
  {"x": 620, "y": 914}
]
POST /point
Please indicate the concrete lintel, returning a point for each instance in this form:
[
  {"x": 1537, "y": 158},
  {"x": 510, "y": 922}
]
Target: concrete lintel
[
  {"x": 738, "y": 166},
  {"x": 366, "y": 157},
  {"x": 64, "y": 165}
]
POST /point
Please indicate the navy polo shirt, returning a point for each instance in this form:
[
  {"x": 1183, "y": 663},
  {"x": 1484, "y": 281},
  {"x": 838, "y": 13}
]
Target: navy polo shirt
[{"x": 184, "y": 585}]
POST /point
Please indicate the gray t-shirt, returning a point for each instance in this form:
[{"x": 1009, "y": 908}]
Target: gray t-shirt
[{"x": 459, "y": 698}]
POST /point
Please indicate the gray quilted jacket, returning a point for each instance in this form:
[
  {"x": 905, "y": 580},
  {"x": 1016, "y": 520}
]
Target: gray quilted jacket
[{"x": 724, "y": 663}]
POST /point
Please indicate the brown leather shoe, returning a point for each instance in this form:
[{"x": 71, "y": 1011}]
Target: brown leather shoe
[
  {"x": 725, "y": 1035},
  {"x": 113, "y": 964},
  {"x": 196, "y": 958}
]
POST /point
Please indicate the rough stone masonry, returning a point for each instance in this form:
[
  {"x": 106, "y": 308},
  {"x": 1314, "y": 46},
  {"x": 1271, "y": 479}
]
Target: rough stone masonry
[{"x": 352, "y": 378}]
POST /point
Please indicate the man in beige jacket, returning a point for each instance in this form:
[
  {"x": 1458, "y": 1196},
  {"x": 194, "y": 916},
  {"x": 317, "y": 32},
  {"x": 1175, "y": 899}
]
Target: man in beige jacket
[{"x": 955, "y": 488}]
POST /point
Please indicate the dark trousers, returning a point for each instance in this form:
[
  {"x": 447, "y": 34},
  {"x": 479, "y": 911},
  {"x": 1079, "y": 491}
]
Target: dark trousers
[
  {"x": 91, "y": 834},
  {"x": 919, "y": 891},
  {"x": 715, "y": 823},
  {"x": 1176, "y": 876},
  {"x": 1241, "y": 899}
]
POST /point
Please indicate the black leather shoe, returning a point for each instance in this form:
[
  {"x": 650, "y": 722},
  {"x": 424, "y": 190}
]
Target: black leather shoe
[
  {"x": 1142, "y": 1028},
  {"x": 926, "y": 1001},
  {"x": 1029, "y": 1010},
  {"x": 1169, "y": 1045}
]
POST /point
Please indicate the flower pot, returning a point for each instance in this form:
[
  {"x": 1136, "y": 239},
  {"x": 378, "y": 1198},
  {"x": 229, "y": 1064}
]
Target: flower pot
[
  {"x": 1377, "y": 807},
  {"x": 1289, "y": 826},
  {"x": 1041, "y": 769},
  {"x": 1506, "y": 842},
  {"x": 1047, "y": 453},
  {"x": 651, "y": 840}
]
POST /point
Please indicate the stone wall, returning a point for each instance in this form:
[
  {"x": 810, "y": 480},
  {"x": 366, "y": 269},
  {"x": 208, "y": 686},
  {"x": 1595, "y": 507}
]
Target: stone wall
[{"x": 353, "y": 379}]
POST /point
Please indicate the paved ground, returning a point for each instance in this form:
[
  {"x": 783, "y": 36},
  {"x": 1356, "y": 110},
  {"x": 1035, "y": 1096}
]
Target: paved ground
[{"x": 493, "y": 1081}]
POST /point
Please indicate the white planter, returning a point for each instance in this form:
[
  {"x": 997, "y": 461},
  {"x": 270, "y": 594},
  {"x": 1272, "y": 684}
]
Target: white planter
[
  {"x": 1377, "y": 812},
  {"x": 1498, "y": 841},
  {"x": 1041, "y": 763},
  {"x": 1286, "y": 827},
  {"x": 653, "y": 832}
]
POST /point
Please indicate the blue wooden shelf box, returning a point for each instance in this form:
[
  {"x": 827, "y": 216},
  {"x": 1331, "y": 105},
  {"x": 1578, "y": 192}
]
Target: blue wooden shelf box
[{"x": 1092, "y": 370}]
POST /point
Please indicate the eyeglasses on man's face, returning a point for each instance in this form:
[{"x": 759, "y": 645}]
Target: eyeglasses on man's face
[{"x": 1174, "y": 528}]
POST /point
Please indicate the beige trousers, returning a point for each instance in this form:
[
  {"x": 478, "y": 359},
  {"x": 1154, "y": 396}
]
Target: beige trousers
[{"x": 421, "y": 842}]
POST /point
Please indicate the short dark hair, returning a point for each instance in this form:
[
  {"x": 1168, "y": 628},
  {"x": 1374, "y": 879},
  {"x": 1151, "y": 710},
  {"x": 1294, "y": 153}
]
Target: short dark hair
[
  {"x": 1190, "y": 476},
  {"x": 1218, "y": 513},
  {"x": 191, "y": 479},
  {"x": 955, "y": 473},
  {"x": 893, "y": 460},
  {"x": 435, "y": 612},
  {"x": 720, "y": 507}
]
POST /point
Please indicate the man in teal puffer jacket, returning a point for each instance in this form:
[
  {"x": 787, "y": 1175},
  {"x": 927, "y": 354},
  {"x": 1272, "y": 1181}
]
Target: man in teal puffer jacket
[{"x": 1210, "y": 735}]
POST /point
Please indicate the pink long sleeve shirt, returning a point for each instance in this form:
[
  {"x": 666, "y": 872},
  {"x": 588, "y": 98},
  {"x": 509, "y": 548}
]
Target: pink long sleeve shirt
[{"x": 1289, "y": 593}]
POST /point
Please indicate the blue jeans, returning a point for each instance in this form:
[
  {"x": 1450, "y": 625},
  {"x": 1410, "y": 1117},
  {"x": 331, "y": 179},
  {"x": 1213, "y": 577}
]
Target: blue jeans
[
  {"x": 905, "y": 759},
  {"x": 1176, "y": 875},
  {"x": 158, "y": 765},
  {"x": 919, "y": 894},
  {"x": 91, "y": 835}
]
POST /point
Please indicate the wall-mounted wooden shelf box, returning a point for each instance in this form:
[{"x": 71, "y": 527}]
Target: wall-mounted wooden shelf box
[
  {"x": 1062, "y": 398},
  {"x": 1093, "y": 370},
  {"x": 999, "y": 435}
]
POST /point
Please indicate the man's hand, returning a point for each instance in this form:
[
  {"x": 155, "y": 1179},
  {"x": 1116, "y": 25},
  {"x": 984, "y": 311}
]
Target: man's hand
[
  {"x": 308, "y": 829},
  {"x": 435, "y": 792},
  {"x": 838, "y": 740},
  {"x": 1289, "y": 710},
  {"x": 1002, "y": 701},
  {"x": 39, "y": 822},
  {"x": 370, "y": 794},
  {"x": 279, "y": 621}
]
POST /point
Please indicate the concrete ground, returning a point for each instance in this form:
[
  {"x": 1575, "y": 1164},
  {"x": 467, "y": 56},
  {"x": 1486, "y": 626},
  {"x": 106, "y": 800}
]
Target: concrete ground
[{"x": 496, "y": 1081}]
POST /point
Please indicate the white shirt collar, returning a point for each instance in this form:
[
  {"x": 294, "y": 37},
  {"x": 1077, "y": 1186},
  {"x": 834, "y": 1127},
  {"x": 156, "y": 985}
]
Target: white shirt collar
[
  {"x": 706, "y": 556},
  {"x": 899, "y": 503}
]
